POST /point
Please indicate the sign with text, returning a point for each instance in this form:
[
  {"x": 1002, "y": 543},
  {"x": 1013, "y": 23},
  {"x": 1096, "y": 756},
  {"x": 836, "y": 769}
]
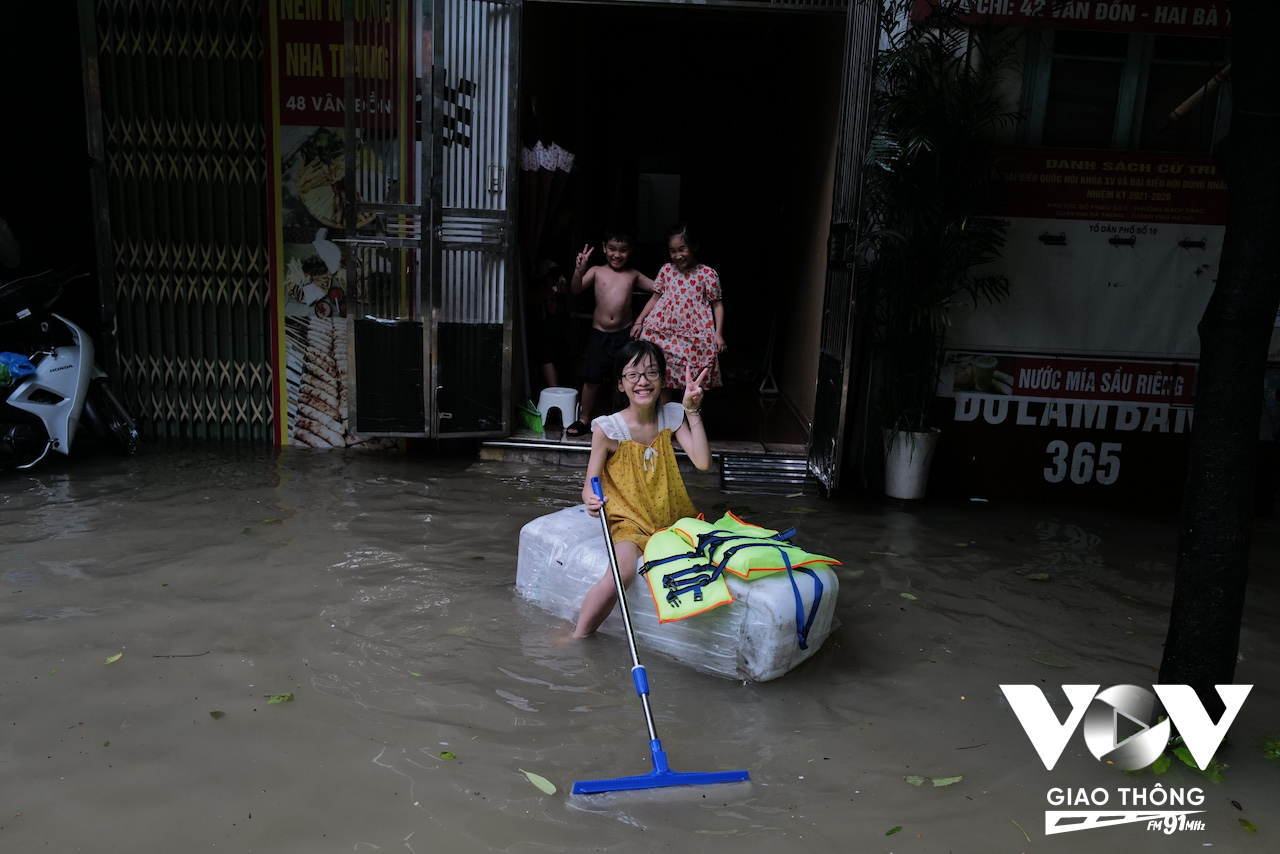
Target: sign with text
[
  {"x": 1106, "y": 252},
  {"x": 311, "y": 57},
  {"x": 1156, "y": 17},
  {"x": 1065, "y": 428},
  {"x": 1126, "y": 186},
  {"x": 1109, "y": 717}
]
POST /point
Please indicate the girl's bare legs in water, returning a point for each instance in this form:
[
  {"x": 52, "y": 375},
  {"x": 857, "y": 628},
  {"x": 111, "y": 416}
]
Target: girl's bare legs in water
[{"x": 603, "y": 595}]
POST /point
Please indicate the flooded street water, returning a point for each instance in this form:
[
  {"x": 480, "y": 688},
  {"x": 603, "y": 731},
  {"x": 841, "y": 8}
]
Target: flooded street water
[{"x": 377, "y": 589}]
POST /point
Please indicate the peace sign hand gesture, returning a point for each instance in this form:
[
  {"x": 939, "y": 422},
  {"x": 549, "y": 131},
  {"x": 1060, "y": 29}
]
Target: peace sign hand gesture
[
  {"x": 693, "y": 389},
  {"x": 580, "y": 262}
]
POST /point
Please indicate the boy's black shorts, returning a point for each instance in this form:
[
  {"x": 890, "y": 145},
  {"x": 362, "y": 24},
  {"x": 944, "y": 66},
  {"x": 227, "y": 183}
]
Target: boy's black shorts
[{"x": 602, "y": 350}]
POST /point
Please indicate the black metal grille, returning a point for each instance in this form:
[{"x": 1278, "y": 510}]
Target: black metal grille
[{"x": 179, "y": 101}]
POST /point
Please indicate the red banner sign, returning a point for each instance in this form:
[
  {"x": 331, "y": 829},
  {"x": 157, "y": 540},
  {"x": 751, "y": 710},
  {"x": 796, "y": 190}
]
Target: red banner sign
[
  {"x": 1155, "y": 17},
  {"x": 311, "y": 55},
  {"x": 1134, "y": 186},
  {"x": 1068, "y": 378}
]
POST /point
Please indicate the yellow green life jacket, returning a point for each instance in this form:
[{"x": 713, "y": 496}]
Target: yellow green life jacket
[{"x": 685, "y": 566}]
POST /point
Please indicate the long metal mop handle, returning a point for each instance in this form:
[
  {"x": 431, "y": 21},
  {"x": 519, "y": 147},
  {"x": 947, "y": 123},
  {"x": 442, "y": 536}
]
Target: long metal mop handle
[{"x": 637, "y": 669}]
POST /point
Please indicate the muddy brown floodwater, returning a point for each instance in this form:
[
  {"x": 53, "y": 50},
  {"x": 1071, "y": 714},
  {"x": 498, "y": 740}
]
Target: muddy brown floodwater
[{"x": 377, "y": 589}]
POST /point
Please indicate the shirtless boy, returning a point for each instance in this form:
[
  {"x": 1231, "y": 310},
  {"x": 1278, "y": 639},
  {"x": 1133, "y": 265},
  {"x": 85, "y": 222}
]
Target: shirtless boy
[{"x": 614, "y": 281}]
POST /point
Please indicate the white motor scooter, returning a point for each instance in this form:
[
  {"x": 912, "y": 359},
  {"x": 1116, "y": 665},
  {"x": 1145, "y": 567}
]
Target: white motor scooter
[{"x": 59, "y": 386}]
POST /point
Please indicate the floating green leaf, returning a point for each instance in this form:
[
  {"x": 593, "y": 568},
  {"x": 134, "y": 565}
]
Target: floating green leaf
[
  {"x": 910, "y": 596},
  {"x": 1184, "y": 754},
  {"x": 447, "y": 754},
  {"x": 106, "y": 744},
  {"x": 891, "y": 831},
  {"x": 51, "y": 672},
  {"x": 541, "y": 782},
  {"x": 112, "y": 659},
  {"x": 411, "y": 673},
  {"x": 938, "y": 782},
  {"x": 1038, "y": 576},
  {"x": 1213, "y": 772},
  {"x": 216, "y": 714},
  {"x": 1271, "y": 748},
  {"x": 887, "y": 554},
  {"x": 279, "y": 698},
  {"x": 1247, "y": 825}
]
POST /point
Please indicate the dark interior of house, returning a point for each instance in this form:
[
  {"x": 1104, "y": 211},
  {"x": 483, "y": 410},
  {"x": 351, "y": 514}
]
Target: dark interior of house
[{"x": 698, "y": 113}]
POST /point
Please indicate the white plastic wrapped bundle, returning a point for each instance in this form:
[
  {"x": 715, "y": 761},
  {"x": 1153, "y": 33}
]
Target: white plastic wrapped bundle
[{"x": 753, "y": 638}]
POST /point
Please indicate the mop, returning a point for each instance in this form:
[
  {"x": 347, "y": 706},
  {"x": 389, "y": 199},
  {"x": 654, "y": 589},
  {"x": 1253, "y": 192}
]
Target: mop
[{"x": 661, "y": 776}]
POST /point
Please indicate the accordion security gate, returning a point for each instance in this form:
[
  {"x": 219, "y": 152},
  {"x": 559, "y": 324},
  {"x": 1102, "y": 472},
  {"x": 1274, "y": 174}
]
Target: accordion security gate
[{"x": 176, "y": 88}]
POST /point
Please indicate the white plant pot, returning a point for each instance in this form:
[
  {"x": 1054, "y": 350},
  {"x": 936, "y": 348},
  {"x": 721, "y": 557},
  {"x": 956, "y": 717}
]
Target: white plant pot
[{"x": 907, "y": 457}]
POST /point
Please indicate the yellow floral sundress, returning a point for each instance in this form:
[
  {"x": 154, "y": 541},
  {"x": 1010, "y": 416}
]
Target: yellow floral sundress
[{"x": 642, "y": 482}]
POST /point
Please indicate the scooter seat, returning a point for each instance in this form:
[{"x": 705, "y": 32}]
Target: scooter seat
[{"x": 29, "y": 295}]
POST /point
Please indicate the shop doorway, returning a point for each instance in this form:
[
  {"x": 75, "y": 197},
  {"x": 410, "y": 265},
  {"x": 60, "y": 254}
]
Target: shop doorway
[{"x": 721, "y": 117}]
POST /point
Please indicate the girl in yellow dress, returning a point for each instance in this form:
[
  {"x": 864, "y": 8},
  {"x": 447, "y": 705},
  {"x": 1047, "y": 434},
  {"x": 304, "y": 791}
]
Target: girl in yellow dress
[{"x": 632, "y": 454}]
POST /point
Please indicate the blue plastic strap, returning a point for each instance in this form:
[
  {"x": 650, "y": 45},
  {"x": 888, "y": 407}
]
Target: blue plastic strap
[
  {"x": 817, "y": 599},
  {"x": 680, "y": 582},
  {"x": 801, "y": 633},
  {"x": 650, "y": 564},
  {"x": 803, "y": 624},
  {"x": 711, "y": 540}
]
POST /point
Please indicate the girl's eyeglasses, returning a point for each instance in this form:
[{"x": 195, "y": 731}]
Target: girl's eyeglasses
[{"x": 634, "y": 376}]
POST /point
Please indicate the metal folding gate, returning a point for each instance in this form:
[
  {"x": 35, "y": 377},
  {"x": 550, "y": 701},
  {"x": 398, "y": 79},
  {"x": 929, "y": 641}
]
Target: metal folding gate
[
  {"x": 835, "y": 355},
  {"x": 176, "y": 135}
]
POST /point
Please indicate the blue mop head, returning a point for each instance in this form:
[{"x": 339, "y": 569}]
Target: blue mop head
[{"x": 659, "y": 778}]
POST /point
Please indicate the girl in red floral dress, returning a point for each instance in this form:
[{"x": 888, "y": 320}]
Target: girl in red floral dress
[{"x": 685, "y": 315}]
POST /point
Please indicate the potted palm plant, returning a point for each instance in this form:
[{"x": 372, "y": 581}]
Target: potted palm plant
[{"x": 937, "y": 106}]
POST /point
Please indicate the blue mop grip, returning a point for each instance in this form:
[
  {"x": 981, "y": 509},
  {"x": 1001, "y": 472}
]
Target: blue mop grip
[
  {"x": 642, "y": 681},
  {"x": 595, "y": 487},
  {"x": 659, "y": 757}
]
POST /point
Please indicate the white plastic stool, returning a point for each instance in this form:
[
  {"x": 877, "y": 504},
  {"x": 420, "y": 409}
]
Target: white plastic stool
[{"x": 564, "y": 399}]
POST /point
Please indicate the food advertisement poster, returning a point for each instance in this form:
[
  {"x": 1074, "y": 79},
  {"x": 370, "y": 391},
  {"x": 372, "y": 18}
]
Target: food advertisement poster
[
  {"x": 1080, "y": 383},
  {"x": 1104, "y": 430},
  {"x": 312, "y": 278}
]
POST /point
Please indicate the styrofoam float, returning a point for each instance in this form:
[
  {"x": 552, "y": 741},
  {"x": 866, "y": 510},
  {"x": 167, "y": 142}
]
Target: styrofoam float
[{"x": 753, "y": 638}]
